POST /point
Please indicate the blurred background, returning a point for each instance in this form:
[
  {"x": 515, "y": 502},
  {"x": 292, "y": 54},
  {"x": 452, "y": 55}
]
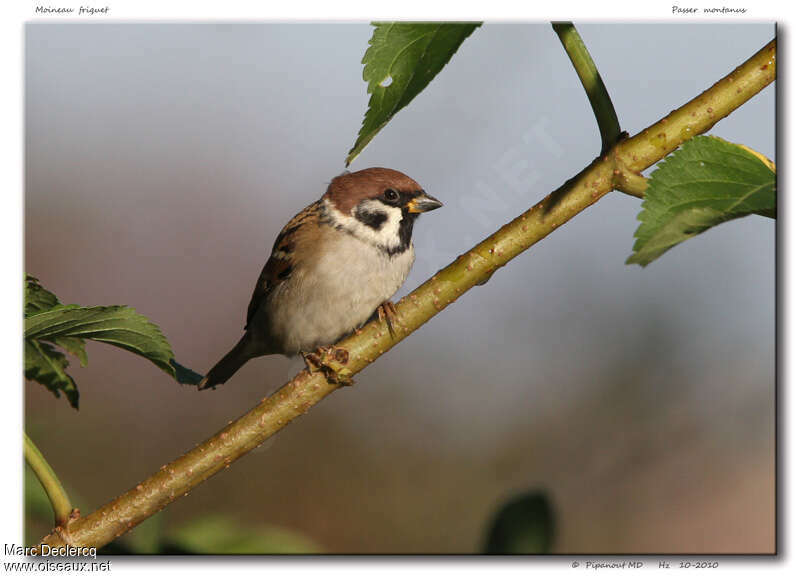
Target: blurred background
[{"x": 162, "y": 159}]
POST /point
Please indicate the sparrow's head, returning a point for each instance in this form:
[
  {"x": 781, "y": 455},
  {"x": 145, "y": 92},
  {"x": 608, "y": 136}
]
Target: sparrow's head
[{"x": 378, "y": 205}]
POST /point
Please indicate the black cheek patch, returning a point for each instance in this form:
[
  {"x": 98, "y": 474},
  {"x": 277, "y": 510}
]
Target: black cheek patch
[{"x": 373, "y": 220}]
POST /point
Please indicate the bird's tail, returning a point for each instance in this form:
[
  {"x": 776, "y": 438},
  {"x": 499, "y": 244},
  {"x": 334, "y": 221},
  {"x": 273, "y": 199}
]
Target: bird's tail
[{"x": 229, "y": 364}]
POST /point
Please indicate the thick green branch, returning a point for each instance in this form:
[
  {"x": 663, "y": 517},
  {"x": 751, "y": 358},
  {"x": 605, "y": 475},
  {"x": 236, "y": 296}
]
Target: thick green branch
[
  {"x": 476, "y": 265},
  {"x": 700, "y": 114},
  {"x": 62, "y": 509},
  {"x": 601, "y": 103},
  {"x": 629, "y": 182}
]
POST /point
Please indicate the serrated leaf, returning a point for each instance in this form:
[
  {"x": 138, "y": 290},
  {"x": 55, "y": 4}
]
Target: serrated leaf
[
  {"x": 37, "y": 298},
  {"x": 47, "y": 366},
  {"x": 767, "y": 162},
  {"x": 706, "y": 182},
  {"x": 402, "y": 58},
  {"x": 120, "y": 326},
  {"x": 73, "y": 345},
  {"x": 47, "y": 322}
]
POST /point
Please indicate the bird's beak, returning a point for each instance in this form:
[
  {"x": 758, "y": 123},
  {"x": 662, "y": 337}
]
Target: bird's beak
[{"x": 422, "y": 203}]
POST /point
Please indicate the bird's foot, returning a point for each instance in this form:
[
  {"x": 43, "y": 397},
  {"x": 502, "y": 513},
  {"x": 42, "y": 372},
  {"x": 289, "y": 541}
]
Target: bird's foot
[
  {"x": 331, "y": 362},
  {"x": 388, "y": 313}
]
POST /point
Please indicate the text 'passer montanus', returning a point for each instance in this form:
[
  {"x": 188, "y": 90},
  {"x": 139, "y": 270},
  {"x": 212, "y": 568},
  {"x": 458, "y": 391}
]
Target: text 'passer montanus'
[{"x": 332, "y": 266}]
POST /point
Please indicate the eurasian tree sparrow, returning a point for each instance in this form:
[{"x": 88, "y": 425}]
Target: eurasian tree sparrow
[{"x": 332, "y": 266}]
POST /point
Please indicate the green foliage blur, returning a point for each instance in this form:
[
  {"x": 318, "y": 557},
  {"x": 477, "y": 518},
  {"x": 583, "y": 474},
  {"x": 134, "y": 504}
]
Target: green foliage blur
[
  {"x": 525, "y": 525},
  {"x": 210, "y": 534}
]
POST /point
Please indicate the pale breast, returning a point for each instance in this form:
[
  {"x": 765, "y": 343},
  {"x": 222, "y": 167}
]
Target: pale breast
[{"x": 331, "y": 296}]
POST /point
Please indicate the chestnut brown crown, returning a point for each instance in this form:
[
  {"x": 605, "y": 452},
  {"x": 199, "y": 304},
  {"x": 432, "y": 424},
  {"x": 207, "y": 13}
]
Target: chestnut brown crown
[{"x": 350, "y": 188}]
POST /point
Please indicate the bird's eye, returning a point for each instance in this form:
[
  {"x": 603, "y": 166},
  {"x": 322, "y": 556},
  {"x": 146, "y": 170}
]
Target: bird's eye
[{"x": 390, "y": 194}]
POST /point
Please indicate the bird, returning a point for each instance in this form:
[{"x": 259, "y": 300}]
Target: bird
[{"x": 332, "y": 267}]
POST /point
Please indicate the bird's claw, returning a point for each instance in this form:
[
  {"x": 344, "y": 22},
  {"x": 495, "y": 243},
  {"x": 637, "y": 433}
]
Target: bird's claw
[
  {"x": 388, "y": 313},
  {"x": 330, "y": 361}
]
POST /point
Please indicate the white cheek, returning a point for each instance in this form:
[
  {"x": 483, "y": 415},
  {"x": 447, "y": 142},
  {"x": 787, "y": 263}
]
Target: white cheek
[{"x": 386, "y": 236}]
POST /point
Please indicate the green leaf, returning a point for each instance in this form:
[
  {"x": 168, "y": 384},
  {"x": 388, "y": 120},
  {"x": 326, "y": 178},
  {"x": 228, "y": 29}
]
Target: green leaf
[
  {"x": 67, "y": 326},
  {"x": 185, "y": 375},
  {"x": 524, "y": 525},
  {"x": 706, "y": 182},
  {"x": 37, "y": 298},
  {"x": 47, "y": 366},
  {"x": 74, "y": 346},
  {"x": 120, "y": 326},
  {"x": 221, "y": 535},
  {"x": 402, "y": 58}
]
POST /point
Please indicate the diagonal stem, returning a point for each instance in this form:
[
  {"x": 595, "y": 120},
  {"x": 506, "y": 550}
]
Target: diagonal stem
[
  {"x": 601, "y": 103},
  {"x": 473, "y": 267},
  {"x": 47, "y": 477}
]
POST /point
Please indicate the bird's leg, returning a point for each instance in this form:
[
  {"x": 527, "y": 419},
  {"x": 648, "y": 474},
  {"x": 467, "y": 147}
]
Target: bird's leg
[
  {"x": 387, "y": 312},
  {"x": 331, "y": 361}
]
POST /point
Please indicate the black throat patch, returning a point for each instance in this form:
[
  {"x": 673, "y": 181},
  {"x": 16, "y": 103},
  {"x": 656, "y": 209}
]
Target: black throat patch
[{"x": 406, "y": 228}]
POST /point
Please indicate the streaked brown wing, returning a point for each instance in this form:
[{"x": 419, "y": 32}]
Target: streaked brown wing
[{"x": 279, "y": 266}]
